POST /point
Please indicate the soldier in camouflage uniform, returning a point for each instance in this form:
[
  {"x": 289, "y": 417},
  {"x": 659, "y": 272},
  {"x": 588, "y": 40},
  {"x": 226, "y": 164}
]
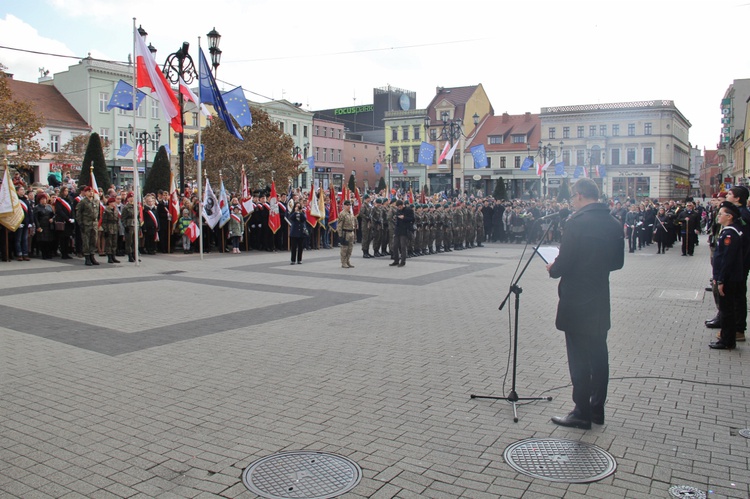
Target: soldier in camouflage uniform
[
  {"x": 365, "y": 224},
  {"x": 87, "y": 218},
  {"x": 390, "y": 225},
  {"x": 111, "y": 228},
  {"x": 376, "y": 226},
  {"x": 438, "y": 222},
  {"x": 479, "y": 220},
  {"x": 458, "y": 224},
  {"x": 128, "y": 221},
  {"x": 471, "y": 232},
  {"x": 415, "y": 236},
  {"x": 448, "y": 227},
  {"x": 347, "y": 230}
]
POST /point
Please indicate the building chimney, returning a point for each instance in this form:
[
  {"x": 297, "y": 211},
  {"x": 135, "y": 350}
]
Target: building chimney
[{"x": 506, "y": 117}]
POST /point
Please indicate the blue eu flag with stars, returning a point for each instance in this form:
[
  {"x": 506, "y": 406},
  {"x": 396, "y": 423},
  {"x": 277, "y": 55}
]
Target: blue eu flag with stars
[
  {"x": 480, "y": 156},
  {"x": 527, "y": 164},
  {"x": 209, "y": 94},
  {"x": 237, "y": 106},
  {"x": 560, "y": 168},
  {"x": 122, "y": 97},
  {"x": 378, "y": 167},
  {"x": 426, "y": 154}
]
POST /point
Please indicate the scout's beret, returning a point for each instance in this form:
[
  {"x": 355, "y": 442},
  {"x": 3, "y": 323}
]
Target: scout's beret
[
  {"x": 347, "y": 203},
  {"x": 731, "y": 208}
]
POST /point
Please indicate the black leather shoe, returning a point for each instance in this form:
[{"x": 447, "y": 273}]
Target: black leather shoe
[
  {"x": 393, "y": 264},
  {"x": 597, "y": 418},
  {"x": 572, "y": 421},
  {"x": 713, "y": 324},
  {"x": 720, "y": 345}
]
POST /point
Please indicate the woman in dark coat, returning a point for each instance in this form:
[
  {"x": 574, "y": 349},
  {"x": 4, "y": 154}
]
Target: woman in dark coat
[
  {"x": 661, "y": 230},
  {"x": 297, "y": 221},
  {"x": 45, "y": 227},
  {"x": 64, "y": 215}
]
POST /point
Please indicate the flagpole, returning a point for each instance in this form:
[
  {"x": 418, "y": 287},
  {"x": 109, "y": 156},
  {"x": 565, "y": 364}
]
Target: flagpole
[
  {"x": 169, "y": 205},
  {"x": 136, "y": 187},
  {"x": 223, "y": 238},
  {"x": 200, "y": 166}
]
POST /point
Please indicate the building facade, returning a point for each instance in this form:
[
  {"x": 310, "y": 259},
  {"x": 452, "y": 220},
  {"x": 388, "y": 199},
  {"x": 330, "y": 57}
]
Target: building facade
[
  {"x": 633, "y": 150},
  {"x": 732, "y": 138},
  {"x": 360, "y": 158},
  {"x": 404, "y": 133},
  {"x": 328, "y": 151}
]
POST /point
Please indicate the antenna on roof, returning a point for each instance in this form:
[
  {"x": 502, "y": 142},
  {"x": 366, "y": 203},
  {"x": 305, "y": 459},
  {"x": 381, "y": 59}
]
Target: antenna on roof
[{"x": 355, "y": 97}]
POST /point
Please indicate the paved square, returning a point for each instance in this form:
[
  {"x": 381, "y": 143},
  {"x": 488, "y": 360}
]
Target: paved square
[{"x": 169, "y": 379}]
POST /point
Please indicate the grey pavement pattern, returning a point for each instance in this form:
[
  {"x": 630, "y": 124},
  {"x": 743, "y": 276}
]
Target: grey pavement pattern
[{"x": 168, "y": 379}]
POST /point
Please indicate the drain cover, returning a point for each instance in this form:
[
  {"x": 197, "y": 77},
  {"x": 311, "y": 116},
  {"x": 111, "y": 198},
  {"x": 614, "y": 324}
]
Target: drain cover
[
  {"x": 745, "y": 432},
  {"x": 301, "y": 474},
  {"x": 686, "y": 491},
  {"x": 559, "y": 460}
]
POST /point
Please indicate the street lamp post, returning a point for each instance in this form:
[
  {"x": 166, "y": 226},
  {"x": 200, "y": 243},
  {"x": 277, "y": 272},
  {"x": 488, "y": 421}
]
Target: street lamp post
[
  {"x": 452, "y": 131},
  {"x": 179, "y": 66},
  {"x": 143, "y": 138},
  {"x": 544, "y": 152}
]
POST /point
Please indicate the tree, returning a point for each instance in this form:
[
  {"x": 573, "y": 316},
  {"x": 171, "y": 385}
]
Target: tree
[
  {"x": 564, "y": 193},
  {"x": 352, "y": 183},
  {"x": 19, "y": 123},
  {"x": 159, "y": 176},
  {"x": 382, "y": 186},
  {"x": 265, "y": 151},
  {"x": 94, "y": 154},
  {"x": 500, "y": 192}
]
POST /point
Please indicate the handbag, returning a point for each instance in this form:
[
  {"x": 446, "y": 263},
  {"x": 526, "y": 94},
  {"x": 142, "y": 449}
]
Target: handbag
[
  {"x": 60, "y": 226},
  {"x": 305, "y": 231}
]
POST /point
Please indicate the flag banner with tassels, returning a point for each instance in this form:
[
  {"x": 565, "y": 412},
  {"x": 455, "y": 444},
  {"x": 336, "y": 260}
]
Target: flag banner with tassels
[
  {"x": 174, "y": 200},
  {"x": 400, "y": 167},
  {"x": 223, "y": 205},
  {"x": 274, "y": 219},
  {"x": 211, "y": 210},
  {"x": 345, "y": 195},
  {"x": 11, "y": 212},
  {"x": 333, "y": 211},
  {"x": 209, "y": 94},
  {"x": 247, "y": 200},
  {"x": 149, "y": 75},
  {"x": 357, "y": 205},
  {"x": 311, "y": 210},
  {"x": 322, "y": 206},
  {"x": 601, "y": 171},
  {"x": 96, "y": 197}
]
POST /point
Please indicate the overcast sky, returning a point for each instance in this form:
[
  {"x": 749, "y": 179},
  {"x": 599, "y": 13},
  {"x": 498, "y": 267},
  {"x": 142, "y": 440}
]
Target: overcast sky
[{"x": 325, "y": 53}]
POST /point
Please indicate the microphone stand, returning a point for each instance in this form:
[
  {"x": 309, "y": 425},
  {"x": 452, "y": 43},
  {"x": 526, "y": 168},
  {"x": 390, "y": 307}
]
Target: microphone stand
[{"x": 516, "y": 290}]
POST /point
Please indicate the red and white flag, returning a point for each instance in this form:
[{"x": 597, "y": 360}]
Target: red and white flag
[
  {"x": 445, "y": 151},
  {"x": 274, "y": 219},
  {"x": 96, "y": 196},
  {"x": 247, "y": 200},
  {"x": 174, "y": 202},
  {"x": 188, "y": 94},
  {"x": 452, "y": 151},
  {"x": 149, "y": 75},
  {"x": 193, "y": 231},
  {"x": 139, "y": 153}
]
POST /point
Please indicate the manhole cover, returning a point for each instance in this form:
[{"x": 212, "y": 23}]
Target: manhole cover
[
  {"x": 301, "y": 474},
  {"x": 686, "y": 491},
  {"x": 560, "y": 460},
  {"x": 745, "y": 432}
]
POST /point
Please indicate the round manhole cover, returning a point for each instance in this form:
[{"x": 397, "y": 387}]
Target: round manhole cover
[
  {"x": 301, "y": 474},
  {"x": 559, "y": 460},
  {"x": 745, "y": 432},
  {"x": 686, "y": 491}
]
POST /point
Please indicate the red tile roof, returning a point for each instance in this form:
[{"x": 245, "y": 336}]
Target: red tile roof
[
  {"x": 507, "y": 125},
  {"x": 50, "y": 103},
  {"x": 458, "y": 96}
]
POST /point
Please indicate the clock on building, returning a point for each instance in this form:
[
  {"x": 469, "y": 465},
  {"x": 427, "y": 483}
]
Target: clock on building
[{"x": 404, "y": 102}]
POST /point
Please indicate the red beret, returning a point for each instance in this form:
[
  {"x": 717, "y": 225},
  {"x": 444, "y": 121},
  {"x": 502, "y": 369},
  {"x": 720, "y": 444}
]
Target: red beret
[
  {"x": 86, "y": 189},
  {"x": 722, "y": 194},
  {"x": 130, "y": 195},
  {"x": 111, "y": 200}
]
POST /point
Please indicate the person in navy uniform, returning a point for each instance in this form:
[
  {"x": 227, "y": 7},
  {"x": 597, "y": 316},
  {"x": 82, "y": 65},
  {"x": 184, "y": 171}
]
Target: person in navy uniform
[
  {"x": 592, "y": 246},
  {"x": 728, "y": 274}
]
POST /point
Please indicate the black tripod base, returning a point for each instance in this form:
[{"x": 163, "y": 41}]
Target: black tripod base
[{"x": 513, "y": 398}]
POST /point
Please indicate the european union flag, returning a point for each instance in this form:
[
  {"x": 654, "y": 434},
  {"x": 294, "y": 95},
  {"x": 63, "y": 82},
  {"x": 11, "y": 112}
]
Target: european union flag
[
  {"x": 601, "y": 171},
  {"x": 526, "y": 164},
  {"x": 578, "y": 172},
  {"x": 237, "y": 106},
  {"x": 209, "y": 94},
  {"x": 479, "y": 155},
  {"x": 560, "y": 168},
  {"x": 124, "y": 150},
  {"x": 311, "y": 162},
  {"x": 400, "y": 167},
  {"x": 378, "y": 167},
  {"x": 426, "y": 154},
  {"x": 122, "y": 97}
]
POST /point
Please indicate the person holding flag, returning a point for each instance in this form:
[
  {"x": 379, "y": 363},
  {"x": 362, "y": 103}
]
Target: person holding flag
[{"x": 87, "y": 217}]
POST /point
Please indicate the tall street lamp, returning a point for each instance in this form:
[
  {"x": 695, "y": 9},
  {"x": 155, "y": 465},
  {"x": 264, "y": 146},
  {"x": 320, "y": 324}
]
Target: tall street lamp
[
  {"x": 544, "y": 152},
  {"x": 451, "y": 130},
  {"x": 143, "y": 138},
  {"x": 179, "y": 65}
]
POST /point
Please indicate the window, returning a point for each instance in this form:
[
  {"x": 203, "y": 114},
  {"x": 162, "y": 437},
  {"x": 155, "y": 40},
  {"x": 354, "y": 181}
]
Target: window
[
  {"x": 580, "y": 157},
  {"x": 394, "y": 134},
  {"x": 338, "y": 155},
  {"x": 154, "y": 109},
  {"x": 317, "y": 154},
  {"x": 603, "y": 130},
  {"x": 647, "y": 129},
  {"x": 294, "y": 129},
  {"x": 154, "y": 144},
  {"x": 579, "y": 131},
  {"x": 566, "y": 157},
  {"x": 281, "y": 126},
  {"x": 194, "y": 119},
  {"x": 416, "y": 132},
  {"x": 631, "y": 128},
  {"x": 517, "y": 162},
  {"x": 495, "y": 139},
  {"x": 502, "y": 162},
  {"x": 415, "y": 153},
  {"x": 122, "y": 137},
  {"x": 325, "y": 131},
  {"x": 551, "y": 132},
  {"x": 317, "y": 130},
  {"x": 615, "y": 130},
  {"x": 405, "y": 154},
  {"x": 489, "y": 162},
  {"x": 433, "y": 134},
  {"x": 631, "y": 154},
  {"x": 566, "y": 132},
  {"x": 141, "y": 111},
  {"x": 592, "y": 130},
  {"x": 325, "y": 154},
  {"x": 615, "y": 156},
  {"x": 405, "y": 132},
  {"x": 647, "y": 155},
  {"x": 103, "y": 101},
  {"x": 304, "y": 131},
  {"x": 54, "y": 142},
  {"x": 104, "y": 134},
  {"x": 122, "y": 112},
  {"x": 519, "y": 139}
]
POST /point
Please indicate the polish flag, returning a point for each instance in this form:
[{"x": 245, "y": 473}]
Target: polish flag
[
  {"x": 193, "y": 231},
  {"x": 149, "y": 75},
  {"x": 174, "y": 202},
  {"x": 274, "y": 220},
  {"x": 445, "y": 152},
  {"x": 139, "y": 153},
  {"x": 247, "y": 201},
  {"x": 188, "y": 94},
  {"x": 96, "y": 196},
  {"x": 452, "y": 151}
]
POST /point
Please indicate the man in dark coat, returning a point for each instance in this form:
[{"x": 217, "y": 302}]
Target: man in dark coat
[
  {"x": 404, "y": 221},
  {"x": 592, "y": 246},
  {"x": 690, "y": 227}
]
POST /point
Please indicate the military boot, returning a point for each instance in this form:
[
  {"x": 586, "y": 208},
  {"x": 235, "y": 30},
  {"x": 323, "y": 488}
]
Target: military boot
[
  {"x": 88, "y": 261},
  {"x": 93, "y": 260}
]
